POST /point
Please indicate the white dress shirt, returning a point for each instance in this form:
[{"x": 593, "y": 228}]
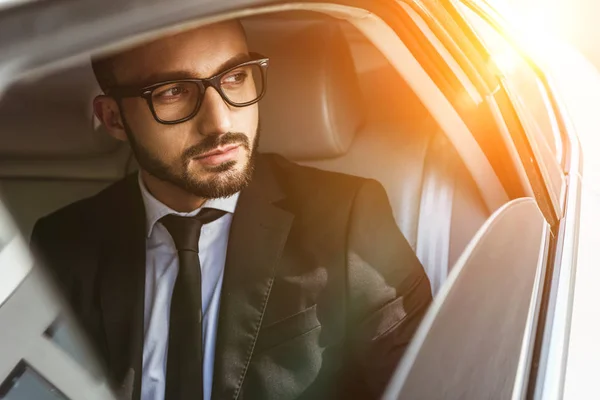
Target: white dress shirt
[{"x": 162, "y": 265}]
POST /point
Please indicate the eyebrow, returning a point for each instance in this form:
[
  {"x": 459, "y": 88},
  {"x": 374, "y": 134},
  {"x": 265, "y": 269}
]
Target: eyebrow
[{"x": 182, "y": 74}]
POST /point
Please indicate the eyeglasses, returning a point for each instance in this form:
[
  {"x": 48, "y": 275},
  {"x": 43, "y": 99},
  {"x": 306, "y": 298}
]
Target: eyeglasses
[{"x": 177, "y": 101}]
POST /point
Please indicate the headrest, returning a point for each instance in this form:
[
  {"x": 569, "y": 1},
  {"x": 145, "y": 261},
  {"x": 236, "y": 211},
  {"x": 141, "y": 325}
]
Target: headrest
[
  {"x": 313, "y": 106},
  {"x": 312, "y": 109},
  {"x": 51, "y": 117}
]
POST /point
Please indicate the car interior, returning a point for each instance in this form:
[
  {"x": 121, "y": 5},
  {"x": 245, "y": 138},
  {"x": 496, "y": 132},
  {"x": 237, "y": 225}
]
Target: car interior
[
  {"x": 334, "y": 102},
  {"x": 344, "y": 94},
  {"x": 436, "y": 366}
]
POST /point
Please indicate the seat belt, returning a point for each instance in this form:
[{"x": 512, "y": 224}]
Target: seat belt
[{"x": 435, "y": 213}]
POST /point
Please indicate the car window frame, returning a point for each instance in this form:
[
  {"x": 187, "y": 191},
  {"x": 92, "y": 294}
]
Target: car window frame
[
  {"x": 551, "y": 338},
  {"x": 550, "y": 167},
  {"x": 543, "y": 347},
  {"x": 447, "y": 15},
  {"x": 507, "y": 168}
]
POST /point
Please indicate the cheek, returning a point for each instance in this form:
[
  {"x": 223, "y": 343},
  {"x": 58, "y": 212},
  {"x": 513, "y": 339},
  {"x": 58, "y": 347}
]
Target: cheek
[
  {"x": 136, "y": 112},
  {"x": 247, "y": 121},
  {"x": 165, "y": 141}
]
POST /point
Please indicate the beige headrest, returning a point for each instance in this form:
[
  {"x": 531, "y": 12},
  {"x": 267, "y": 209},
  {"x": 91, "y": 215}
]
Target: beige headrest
[
  {"x": 312, "y": 108},
  {"x": 51, "y": 117}
]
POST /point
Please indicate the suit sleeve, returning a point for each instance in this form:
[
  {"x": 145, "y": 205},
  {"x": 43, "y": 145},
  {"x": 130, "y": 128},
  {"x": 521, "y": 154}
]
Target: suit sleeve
[{"x": 387, "y": 290}]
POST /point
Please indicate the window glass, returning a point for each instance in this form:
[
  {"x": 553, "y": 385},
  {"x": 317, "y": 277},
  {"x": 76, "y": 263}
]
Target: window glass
[
  {"x": 523, "y": 85},
  {"x": 24, "y": 383},
  {"x": 63, "y": 335}
]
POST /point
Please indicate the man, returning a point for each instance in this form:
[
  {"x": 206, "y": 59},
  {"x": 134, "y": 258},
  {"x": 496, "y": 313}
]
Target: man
[{"x": 217, "y": 272}]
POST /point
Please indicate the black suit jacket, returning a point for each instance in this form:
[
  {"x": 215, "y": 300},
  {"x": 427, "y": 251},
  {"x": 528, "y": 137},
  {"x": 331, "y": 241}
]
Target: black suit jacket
[{"x": 321, "y": 292}]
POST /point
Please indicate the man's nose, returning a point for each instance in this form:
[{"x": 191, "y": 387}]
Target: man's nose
[{"x": 214, "y": 116}]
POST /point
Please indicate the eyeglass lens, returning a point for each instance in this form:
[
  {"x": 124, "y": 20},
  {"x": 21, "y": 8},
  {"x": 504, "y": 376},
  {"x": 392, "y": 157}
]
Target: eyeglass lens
[{"x": 175, "y": 101}]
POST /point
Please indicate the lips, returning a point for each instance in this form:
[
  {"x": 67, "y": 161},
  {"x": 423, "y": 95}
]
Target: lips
[
  {"x": 219, "y": 151},
  {"x": 219, "y": 155}
]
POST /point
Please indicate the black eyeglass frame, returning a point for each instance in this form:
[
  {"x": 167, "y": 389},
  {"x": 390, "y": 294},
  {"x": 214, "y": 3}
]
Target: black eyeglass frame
[{"x": 145, "y": 92}]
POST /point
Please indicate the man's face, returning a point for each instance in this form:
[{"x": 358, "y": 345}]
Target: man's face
[{"x": 212, "y": 154}]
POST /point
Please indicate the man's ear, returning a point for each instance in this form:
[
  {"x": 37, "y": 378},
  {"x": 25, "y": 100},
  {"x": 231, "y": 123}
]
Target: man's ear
[{"x": 107, "y": 111}]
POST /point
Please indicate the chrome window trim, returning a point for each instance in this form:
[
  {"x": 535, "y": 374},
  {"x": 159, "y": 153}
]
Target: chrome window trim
[
  {"x": 551, "y": 372},
  {"x": 553, "y": 360},
  {"x": 537, "y": 149},
  {"x": 524, "y": 367}
]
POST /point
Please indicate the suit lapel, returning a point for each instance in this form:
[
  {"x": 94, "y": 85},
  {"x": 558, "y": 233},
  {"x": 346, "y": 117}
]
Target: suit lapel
[
  {"x": 258, "y": 234},
  {"x": 122, "y": 282}
]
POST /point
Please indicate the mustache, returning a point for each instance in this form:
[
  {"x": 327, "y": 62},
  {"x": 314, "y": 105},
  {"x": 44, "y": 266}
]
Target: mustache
[{"x": 213, "y": 142}]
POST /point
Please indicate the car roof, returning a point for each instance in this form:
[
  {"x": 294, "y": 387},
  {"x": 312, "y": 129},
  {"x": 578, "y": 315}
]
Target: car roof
[{"x": 37, "y": 33}]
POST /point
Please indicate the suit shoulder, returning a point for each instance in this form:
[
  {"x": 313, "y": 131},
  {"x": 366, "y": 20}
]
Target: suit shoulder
[
  {"x": 83, "y": 211},
  {"x": 316, "y": 180}
]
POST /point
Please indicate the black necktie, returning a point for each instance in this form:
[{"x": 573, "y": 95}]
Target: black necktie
[{"x": 184, "y": 360}]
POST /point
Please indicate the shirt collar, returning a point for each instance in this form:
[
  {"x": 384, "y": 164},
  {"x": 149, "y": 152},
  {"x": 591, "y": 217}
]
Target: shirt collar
[{"x": 155, "y": 210}]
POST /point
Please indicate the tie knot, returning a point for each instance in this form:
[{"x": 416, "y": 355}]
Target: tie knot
[{"x": 185, "y": 231}]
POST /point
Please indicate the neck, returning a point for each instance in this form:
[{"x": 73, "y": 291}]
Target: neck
[{"x": 171, "y": 195}]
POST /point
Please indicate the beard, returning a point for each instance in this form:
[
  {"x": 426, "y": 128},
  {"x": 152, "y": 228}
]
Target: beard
[{"x": 224, "y": 180}]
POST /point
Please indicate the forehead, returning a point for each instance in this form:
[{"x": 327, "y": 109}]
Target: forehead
[{"x": 198, "y": 53}]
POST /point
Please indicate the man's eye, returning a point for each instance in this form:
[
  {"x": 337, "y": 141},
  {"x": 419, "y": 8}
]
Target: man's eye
[
  {"x": 173, "y": 91},
  {"x": 235, "y": 78}
]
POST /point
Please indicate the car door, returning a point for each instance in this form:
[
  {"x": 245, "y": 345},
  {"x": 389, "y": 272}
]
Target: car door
[
  {"x": 556, "y": 149},
  {"x": 43, "y": 355},
  {"x": 474, "y": 341},
  {"x": 536, "y": 122}
]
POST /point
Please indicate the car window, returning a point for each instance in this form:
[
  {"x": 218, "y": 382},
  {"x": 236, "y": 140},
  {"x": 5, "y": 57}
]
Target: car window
[
  {"x": 24, "y": 383},
  {"x": 61, "y": 333},
  {"x": 523, "y": 85}
]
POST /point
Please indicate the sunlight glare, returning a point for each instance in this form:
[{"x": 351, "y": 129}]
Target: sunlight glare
[{"x": 534, "y": 24}]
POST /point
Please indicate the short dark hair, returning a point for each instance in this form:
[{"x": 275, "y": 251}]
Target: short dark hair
[
  {"x": 103, "y": 66},
  {"x": 104, "y": 72}
]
